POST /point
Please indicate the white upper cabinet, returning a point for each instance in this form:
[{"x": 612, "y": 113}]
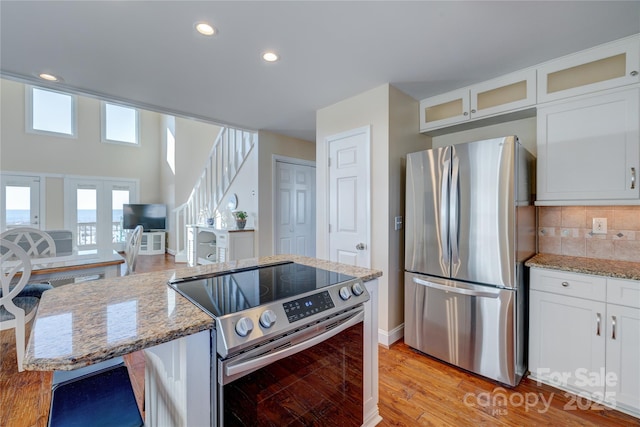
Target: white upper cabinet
[
  {"x": 589, "y": 150},
  {"x": 603, "y": 67},
  {"x": 514, "y": 95},
  {"x": 444, "y": 110},
  {"x": 507, "y": 93}
]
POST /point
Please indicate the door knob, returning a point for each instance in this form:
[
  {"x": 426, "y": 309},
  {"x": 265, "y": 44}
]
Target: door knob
[{"x": 360, "y": 246}]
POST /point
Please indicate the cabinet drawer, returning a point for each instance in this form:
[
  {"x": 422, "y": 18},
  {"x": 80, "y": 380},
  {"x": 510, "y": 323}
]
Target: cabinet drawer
[
  {"x": 571, "y": 284},
  {"x": 623, "y": 292}
]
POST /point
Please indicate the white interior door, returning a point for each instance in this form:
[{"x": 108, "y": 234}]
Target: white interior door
[
  {"x": 349, "y": 200},
  {"x": 20, "y": 202},
  {"x": 295, "y": 224}
]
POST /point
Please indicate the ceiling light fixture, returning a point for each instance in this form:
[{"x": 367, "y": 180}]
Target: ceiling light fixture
[
  {"x": 270, "y": 57},
  {"x": 48, "y": 77},
  {"x": 205, "y": 29}
]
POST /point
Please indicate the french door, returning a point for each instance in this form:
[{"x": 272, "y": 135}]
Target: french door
[
  {"x": 20, "y": 204},
  {"x": 93, "y": 211}
]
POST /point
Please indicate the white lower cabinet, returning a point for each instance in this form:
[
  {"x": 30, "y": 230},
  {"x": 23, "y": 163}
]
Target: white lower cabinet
[
  {"x": 152, "y": 243},
  {"x": 584, "y": 336},
  {"x": 623, "y": 354},
  {"x": 567, "y": 338},
  {"x": 206, "y": 245}
]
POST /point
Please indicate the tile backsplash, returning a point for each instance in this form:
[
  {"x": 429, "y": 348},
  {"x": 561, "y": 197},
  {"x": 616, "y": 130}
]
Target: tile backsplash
[{"x": 567, "y": 230}]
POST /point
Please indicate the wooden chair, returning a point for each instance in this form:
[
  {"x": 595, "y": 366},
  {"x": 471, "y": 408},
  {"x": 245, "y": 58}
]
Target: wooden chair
[
  {"x": 15, "y": 310},
  {"x": 132, "y": 247}
]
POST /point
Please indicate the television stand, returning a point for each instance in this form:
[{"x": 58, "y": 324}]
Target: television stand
[{"x": 152, "y": 243}]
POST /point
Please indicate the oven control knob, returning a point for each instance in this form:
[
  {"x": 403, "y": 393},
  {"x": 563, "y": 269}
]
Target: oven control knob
[
  {"x": 244, "y": 326},
  {"x": 345, "y": 293},
  {"x": 357, "y": 289},
  {"x": 267, "y": 318}
]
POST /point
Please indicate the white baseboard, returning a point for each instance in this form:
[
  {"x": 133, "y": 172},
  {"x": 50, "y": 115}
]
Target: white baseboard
[
  {"x": 179, "y": 256},
  {"x": 386, "y": 338}
]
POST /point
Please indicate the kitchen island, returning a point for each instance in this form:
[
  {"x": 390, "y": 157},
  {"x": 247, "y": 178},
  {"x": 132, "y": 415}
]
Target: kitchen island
[{"x": 95, "y": 321}]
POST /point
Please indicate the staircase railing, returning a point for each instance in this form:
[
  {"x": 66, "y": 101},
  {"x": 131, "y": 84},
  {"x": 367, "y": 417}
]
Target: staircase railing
[{"x": 228, "y": 154}]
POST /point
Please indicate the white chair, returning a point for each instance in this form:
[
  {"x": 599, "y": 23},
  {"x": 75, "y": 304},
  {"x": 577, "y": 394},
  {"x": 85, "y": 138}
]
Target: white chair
[
  {"x": 15, "y": 310},
  {"x": 132, "y": 247},
  {"x": 36, "y": 243}
]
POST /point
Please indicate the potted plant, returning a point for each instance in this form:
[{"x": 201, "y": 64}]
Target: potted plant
[{"x": 241, "y": 219}]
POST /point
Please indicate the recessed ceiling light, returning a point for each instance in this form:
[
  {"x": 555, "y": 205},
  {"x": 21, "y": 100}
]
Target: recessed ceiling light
[
  {"x": 205, "y": 29},
  {"x": 48, "y": 77},
  {"x": 270, "y": 56}
]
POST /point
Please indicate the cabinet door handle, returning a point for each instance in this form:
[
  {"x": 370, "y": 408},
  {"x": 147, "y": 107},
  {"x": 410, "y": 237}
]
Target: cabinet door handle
[
  {"x": 634, "y": 73},
  {"x": 598, "y": 318},
  {"x": 473, "y": 111},
  {"x": 633, "y": 178},
  {"x": 565, "y": 284},
  {"x": 613, "y": 327},
  {"x": 465, "y": 114}
]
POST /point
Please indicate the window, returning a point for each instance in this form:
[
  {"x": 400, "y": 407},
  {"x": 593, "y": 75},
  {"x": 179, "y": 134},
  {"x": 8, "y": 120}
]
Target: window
[
  {"x": 51, "y": 111},
  {"x": 119, "y": 124}
]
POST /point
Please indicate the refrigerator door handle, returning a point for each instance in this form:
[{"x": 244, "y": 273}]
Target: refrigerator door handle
[
  {"x": 463, "y": 291},
  {"x": 444, "y": 212},
  {"x": 454, "y": 217}
]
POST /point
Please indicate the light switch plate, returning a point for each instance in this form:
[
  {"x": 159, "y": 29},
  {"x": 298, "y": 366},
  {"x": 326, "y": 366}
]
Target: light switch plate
[{"x": 599, "y": 226}]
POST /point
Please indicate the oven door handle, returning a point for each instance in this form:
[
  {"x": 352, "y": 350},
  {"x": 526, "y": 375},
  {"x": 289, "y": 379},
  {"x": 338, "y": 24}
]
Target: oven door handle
[{"x": 233, "y": 369}]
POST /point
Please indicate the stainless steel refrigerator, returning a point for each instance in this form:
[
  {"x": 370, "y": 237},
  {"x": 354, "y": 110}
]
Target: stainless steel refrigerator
[{"x": 470, "y": 225}]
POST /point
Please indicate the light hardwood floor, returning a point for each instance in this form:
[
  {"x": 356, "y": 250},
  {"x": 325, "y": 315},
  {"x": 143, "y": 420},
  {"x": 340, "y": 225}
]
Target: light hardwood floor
[{"x": 415, "y": 390}]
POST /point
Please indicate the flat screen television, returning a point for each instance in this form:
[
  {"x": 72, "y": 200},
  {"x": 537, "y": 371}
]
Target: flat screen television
[{"x": 151, "y": 217}]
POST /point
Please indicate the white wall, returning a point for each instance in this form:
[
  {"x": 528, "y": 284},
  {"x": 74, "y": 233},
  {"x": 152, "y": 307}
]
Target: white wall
[
  {"x": 194, "y": 140},
  {"x": 269, "y": 145},
  {"x": 246, "y": 187},
  {"x": 403, "y": 138},
  {"x": 84, "y": 155},
  {"x": 393, "y": 118}
]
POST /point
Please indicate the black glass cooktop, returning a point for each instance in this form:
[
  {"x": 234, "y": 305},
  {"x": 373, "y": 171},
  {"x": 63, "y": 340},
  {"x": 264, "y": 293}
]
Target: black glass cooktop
[{"x": 220, "y": 294}]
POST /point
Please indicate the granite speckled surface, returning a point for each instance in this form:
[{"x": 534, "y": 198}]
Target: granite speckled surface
[
  {"x": 81, "y": 324},
  {"x": 600, "y": 267}
]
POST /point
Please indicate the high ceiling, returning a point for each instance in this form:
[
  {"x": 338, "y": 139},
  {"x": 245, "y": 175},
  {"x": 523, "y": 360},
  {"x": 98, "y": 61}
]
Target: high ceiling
[{"x": 147, "y": 53}]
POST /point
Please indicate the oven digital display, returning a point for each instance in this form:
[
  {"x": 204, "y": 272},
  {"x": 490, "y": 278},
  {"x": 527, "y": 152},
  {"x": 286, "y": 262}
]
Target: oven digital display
[{"x": 307, "y": 306}]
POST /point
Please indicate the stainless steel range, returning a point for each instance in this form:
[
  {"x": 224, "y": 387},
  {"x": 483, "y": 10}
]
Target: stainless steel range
[{"x": 287, "y": 344}]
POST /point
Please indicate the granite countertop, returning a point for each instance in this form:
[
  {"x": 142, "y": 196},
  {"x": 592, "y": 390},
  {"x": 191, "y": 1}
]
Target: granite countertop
[
  {"x": 600, "y": 267},
  {"x": 81, "y": 324}
]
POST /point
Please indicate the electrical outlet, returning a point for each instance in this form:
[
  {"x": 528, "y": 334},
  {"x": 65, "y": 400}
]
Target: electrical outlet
[{"x": 599, "y": 226}]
